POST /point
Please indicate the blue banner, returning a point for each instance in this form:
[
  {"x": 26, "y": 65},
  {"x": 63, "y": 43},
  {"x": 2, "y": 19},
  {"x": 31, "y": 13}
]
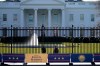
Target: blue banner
[
  {"x": 81, "y": 57},
  {"x": 96, "y": 57},
  {"x": 59, "y": 58},
  {"x": 13, "y": 57}
]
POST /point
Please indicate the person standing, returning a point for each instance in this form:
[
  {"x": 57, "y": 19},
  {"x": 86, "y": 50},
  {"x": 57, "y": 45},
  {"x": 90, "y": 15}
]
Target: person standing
[
  {"x": 42, "y": 31},
  {"x": 56, "y": 50},
  {"x": 43, "y": 49}
]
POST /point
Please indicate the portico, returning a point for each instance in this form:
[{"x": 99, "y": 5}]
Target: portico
[{"x": 35, "y": 13}]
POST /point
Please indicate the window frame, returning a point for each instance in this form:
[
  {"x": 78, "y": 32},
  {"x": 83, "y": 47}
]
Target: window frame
[
  {"x": 4, "y": 17},
  {"x": 71, "y": 17},
  {"x": 92, "y": 17},
  {"x": 15, "y": 17},
  {"x": 81, "y": 17},
  {"x": 30, "y": 17}
]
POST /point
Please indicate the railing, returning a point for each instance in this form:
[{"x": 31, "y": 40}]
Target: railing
[
  {"x": 50, "y": 31},
  {"x": 81, "y": 4},
  {"x": 9, "y": 4},
  {"x": 76, "y": 39}
]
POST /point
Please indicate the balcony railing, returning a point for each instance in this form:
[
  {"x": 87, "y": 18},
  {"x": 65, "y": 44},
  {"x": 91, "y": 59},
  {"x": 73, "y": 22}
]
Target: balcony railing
[
  {"x": 9, "y": 4},
  {"x": 81, "y": 4}
]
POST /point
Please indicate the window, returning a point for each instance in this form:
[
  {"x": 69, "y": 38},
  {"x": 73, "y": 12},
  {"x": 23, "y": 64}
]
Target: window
[
  {"x": 82, "y": 32},
  {"x": 92, "y": 17},
  {"x": 30, "y": 17},
  {"x": 14, "y": 17},
  {"x": 4, "y": 32},
  {"x": 92, "y": 32},
  {"x": 81, "y": 17},
  {"x": 4, "y": 17},
  {"x": 55, "y": 20},
  {"x": 71, "y": 17},
  {"x": 70, "y": 32},
  {"x": 15, "y": 32}
]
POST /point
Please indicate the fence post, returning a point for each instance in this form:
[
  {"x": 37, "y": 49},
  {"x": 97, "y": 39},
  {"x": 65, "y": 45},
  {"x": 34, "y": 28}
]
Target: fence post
[
  {"x": 11, "y": 39},
  {"x": 72, "y": 38}
]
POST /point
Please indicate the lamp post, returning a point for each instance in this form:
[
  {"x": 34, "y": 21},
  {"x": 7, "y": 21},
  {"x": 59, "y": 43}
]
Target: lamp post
[{"x": 72, "y": 38}]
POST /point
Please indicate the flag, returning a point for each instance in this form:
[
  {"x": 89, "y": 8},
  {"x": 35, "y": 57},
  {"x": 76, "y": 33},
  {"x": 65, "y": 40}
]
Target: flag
[
  {"x": 59, "y": 58},
  {"x": 81, "y": 57}
]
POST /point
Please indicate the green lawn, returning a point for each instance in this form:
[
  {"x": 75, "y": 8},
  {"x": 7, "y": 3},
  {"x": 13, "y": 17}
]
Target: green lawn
[{"x": 78, "y": 48}]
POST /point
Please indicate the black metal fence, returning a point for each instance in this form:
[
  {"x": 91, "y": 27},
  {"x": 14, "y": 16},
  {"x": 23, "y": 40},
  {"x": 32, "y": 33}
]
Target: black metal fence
[
  {"x": 66, "y": 39},
  {"x": 50, "y": 31}
]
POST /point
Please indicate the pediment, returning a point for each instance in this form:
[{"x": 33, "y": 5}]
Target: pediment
[{"x": 34, "y": 2}]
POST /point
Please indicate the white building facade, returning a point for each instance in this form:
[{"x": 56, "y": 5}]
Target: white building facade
[{"x": 50, "y": 13}]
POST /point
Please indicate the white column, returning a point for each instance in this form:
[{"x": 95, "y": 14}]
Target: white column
[
  {"x": 22, "y": 22},
  {"x": 22, "y": 18},
  {"x": 63, "y": 18},
  {"x": 49, "y": 20},
  {"x": 49, "y": 17},
  {"x": 35, "y": 23}
]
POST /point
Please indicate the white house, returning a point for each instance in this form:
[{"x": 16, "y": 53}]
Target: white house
[{"x": 50, "y": 13}]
